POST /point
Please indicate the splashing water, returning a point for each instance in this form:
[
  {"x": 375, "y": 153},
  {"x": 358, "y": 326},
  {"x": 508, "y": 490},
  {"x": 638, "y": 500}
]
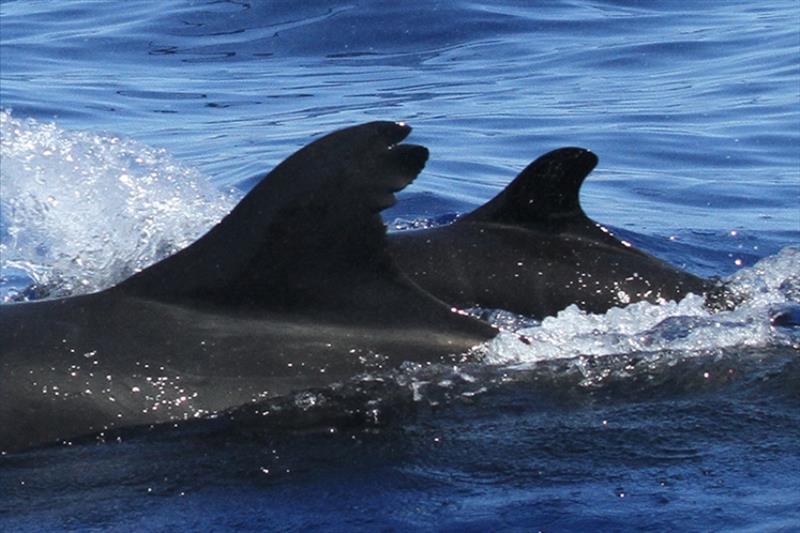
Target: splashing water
[
  {"x": 81, "y": 211},
  {"x": 687, "y": 326}
]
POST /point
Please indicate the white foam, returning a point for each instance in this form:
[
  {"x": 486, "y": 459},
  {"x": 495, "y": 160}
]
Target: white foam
[
  {"x": 81, "y": 211},
  {"x": 687, "y": 327}
]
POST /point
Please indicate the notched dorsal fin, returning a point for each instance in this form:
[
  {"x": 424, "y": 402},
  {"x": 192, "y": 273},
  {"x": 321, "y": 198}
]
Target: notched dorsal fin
[
  {"x": 311, "y": 223},
  {"x": 546, "y": 192}
]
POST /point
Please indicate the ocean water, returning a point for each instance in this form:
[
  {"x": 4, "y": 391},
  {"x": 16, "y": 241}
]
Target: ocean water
[{"x": 127, "y": 132}]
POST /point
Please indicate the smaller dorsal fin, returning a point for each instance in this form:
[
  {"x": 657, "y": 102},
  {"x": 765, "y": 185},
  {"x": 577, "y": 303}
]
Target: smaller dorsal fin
[{"x": 546, "y": 192}]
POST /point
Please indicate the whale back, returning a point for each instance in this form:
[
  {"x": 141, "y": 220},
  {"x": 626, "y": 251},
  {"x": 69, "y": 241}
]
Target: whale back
[
  {"x": 533, "y": 250},
  {"x": 308, "y": 239},
  {"x": 293, "y": 289}
]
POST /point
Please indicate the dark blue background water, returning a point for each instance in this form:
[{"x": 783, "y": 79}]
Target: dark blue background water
[{"x": 129, "y": 128}]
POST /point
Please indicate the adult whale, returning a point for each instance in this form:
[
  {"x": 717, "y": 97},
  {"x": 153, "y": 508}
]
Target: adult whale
[
  {"x": 293, "y": 289},
  {"x": 533, "y": 250}
]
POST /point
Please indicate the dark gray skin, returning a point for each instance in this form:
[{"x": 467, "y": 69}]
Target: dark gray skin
[
  {"x": 532, "y": 250},
  {"x": 294, "y": 289}
]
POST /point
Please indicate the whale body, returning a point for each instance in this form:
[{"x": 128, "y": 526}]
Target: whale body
[
  {"x": 293, "y": 289},
  {"x": 532, "y": 250}
]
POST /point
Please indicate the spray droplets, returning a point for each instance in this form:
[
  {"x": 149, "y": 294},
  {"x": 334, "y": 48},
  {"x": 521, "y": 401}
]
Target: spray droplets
[{"x": 83, "y": 211}]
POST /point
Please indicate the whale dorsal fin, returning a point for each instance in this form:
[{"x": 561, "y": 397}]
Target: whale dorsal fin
[
  {"x": 546, "y": 192},
  {"x": 308, "y": 236}
]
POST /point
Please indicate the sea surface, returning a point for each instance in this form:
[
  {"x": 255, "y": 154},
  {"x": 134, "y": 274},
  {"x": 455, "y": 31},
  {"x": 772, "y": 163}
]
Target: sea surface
[{"x": 130, "y": 128}]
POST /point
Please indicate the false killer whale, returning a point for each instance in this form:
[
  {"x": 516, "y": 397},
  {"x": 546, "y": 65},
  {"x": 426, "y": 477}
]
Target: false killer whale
[
  {"x": 532, "y": 250},
  {"x": 293, "y": 289}
]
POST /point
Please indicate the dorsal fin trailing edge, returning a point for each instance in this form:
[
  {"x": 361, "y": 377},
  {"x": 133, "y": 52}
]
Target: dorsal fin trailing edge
[{"x": 546, "y": 192}]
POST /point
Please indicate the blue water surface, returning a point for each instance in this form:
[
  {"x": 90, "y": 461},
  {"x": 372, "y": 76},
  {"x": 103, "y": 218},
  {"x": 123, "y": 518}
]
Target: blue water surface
[{"x": 691, "y": 422}]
